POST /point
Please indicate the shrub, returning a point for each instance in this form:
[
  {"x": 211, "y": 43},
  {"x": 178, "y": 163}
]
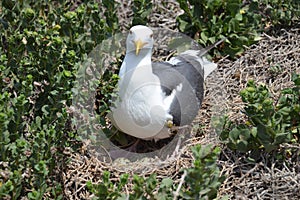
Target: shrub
[
  {"x": 141, "y": 12},
  {"x": 201, "y": 181},
  {"x": 270, "y": 123},
  {"x": 42, "y": 44},
  {"x": 241, "y": 22}
]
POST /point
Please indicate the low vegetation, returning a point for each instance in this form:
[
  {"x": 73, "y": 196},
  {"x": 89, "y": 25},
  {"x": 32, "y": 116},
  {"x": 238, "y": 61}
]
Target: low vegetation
[
  {"x": 270, "y": 122},
  {"x": 41, "y": 48}
]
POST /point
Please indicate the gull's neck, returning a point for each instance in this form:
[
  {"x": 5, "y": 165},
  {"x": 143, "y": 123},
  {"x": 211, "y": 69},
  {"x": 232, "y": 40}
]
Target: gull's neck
[{"x": 133, "y": 61}]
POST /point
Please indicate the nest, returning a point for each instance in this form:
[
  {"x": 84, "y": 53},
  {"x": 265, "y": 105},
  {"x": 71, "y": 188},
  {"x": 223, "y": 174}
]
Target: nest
[{"x": 271, "y": 62}]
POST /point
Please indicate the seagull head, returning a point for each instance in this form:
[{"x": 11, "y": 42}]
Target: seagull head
[{"x": 139, "y": 37}]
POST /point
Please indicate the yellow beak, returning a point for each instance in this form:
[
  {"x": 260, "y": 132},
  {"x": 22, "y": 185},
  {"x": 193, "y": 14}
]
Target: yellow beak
[{"x": 139, "y": 44}]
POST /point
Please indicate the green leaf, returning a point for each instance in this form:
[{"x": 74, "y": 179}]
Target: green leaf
[
  {"x": 234, "y": 134},
  {"x": 182, "y": 24},
  {"x": 285, "y": 111},
  {"x": 242, "y": 145},
  {"x": 282, "y": 138},
  {"x": 203, "y": 36},
  {"x": 244, "y": 134},
  {"x": 166, "y": 183},
  {"x": 296, "y": 79},
  {"x": 254, "y": 132},
  {"x": 67, "y": 73},
  {"x": 239, "y": 17}
]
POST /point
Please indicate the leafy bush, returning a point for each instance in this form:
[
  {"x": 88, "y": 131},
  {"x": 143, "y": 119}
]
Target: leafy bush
[
  {"x": 270, "y": 123},
  {"x": 141, "y": 12},
  {"x": 200, "y": 181},
  {"x": 41, "y": 49},
  {"x": 239, "y": 21},
  {"x": 279, "y": 13},
  {"x": 42, "y": 44}
]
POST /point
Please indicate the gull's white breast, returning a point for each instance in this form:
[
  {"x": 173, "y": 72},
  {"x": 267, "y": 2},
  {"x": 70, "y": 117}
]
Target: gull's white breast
[{"x": 140, "y": 110}]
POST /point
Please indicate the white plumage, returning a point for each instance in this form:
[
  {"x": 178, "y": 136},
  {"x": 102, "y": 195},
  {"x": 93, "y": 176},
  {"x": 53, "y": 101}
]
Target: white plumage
[{"x": 154, "y": 94}]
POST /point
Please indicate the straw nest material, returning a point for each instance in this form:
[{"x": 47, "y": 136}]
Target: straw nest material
[{"x": 262, "y": 180}]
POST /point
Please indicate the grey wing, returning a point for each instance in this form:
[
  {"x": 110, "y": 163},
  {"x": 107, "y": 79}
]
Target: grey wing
[{"x": 189, "y": 73}]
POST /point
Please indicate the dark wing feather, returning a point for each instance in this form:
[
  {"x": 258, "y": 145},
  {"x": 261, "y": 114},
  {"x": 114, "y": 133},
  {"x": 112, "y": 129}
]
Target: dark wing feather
[{"x": 190, "y": 74}]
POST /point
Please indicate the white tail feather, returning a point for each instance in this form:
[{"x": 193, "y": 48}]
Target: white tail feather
[{"x": 208, "y": 66}]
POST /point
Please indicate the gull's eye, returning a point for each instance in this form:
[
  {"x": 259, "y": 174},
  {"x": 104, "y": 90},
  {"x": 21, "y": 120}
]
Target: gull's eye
[
  {"x": 151, "y": 36},
  {"x": 130, "y": 32}
]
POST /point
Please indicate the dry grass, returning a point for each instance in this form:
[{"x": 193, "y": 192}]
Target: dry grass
[{"x": 266, "y": 179}]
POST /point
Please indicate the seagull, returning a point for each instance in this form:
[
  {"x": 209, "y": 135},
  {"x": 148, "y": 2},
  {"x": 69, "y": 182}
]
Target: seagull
[{"x": 153, "y": 97}]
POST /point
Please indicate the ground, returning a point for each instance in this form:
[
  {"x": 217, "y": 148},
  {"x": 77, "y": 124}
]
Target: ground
[{"x": 244, "y": 180}]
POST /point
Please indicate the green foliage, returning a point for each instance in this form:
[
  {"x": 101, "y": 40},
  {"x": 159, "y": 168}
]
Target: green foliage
[
  {"x": 241, "y": 23},
  {"x": 111, "y": 16},
  {"x": 203, "y": 180},
  {"x": 211, "y": 20},
  {"x": 41, "y": 46},
  {"x": 276, "y": 12},
  {"x": 106, "y": 93},
  {"x": 141, "y": 11},
  {"x": 200, "y": 181},
  {"x": 106, "y": 189},
  {"x": 269, "y": 123}
]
